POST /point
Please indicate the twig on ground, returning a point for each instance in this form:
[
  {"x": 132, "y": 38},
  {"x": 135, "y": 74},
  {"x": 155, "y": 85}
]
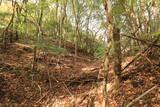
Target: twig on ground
[
  {"x": 66, "y": 88},
  {"x": 142, "y": 95},
  {"x": 42, "y": 97}
]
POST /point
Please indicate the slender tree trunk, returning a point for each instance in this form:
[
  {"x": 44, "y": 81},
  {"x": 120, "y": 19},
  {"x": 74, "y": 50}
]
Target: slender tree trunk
[
  {"x": 113, "y": 43},
  {"x": 107, "y": 58},
  {"x": 58, "y": 25},
  {"x": 25, "y": 17},
  {"x": 117, "y": 57},
  {"x": 18, "y": 21},
  {"x": 40, "y": 20},
  {"x": 63, "y": 18},
  {"x": 77, "y": 21},
  {"x": 10, "y": 23}
]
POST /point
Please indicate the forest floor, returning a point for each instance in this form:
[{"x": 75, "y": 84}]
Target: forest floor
[{"x": 68, "y": 81}]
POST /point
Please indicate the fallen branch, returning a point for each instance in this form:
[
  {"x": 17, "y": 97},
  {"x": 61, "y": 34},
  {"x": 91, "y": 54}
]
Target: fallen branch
[
  {"x": 135, "y": 58},
  {"x": 78, "y": 57},
  {"x": 67, "y": 89},
  {"x": 78, "y": 80},
  {"x": 139, "y": 54},
  {"x": 42, "y": 97},
  {"x": 141, "y": 40},
  {"x": 138, "y": 98}
]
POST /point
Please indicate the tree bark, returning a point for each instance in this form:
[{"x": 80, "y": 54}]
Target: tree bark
[
  {"x": 117, "y": 57},
  {"x": 10, "y": 23},
  {"x": 77, "y": 20},
  {"x": 107, "y": 58},
  {"x": 113, "y": 52}
]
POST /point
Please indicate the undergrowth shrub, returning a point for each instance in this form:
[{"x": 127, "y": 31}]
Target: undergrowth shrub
[{"x": 42, "y": 44}]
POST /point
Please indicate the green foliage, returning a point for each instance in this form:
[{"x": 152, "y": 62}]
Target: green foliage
[
  {"x": 56, "y": 24},
  {"x": 25, "y": 41},
  {"x": 51, "y": 23},
  {"x": 3, "y": 14},
  {"x": 132, "y": 3},
  {"x": 42, "y": 44},
  {"x": 118, "y": 9},
  {"x": 100, "y": 51},
  {"x": 49, "y": 46},
  {"x": 2, "y": 25}
]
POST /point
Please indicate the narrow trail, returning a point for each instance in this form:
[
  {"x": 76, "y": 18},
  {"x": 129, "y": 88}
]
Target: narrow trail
[{"x": 58, "y": 75}]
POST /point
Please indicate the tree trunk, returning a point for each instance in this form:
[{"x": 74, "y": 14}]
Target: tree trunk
[
  {"x": 113, "y": 43},
  {"x": 8, "y": 26},
  {"x": 77, "y": 21},
  {"x": 117, "y": 57},
  {"x": 40, "y": 20},
  {"x": 107, "y": 58}
]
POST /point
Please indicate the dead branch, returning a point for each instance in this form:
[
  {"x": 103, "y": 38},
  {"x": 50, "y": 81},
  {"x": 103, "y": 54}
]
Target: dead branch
[
  {"x": 140, "y": 54},
  {"x": 82, "y": 79},
  {"x": 141, "y": 40},
  {"x": 142, "y": 95},
  {"x": 135, "y": 58},
  {"x": 78, "y": 57},
  {"x": 42, "y": 97},
  {"x": 67, "y": 89}
]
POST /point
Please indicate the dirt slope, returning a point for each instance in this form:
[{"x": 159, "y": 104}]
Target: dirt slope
[
  {"x": 62, "y": 81},
  {"x": 56, "y": 75}
]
